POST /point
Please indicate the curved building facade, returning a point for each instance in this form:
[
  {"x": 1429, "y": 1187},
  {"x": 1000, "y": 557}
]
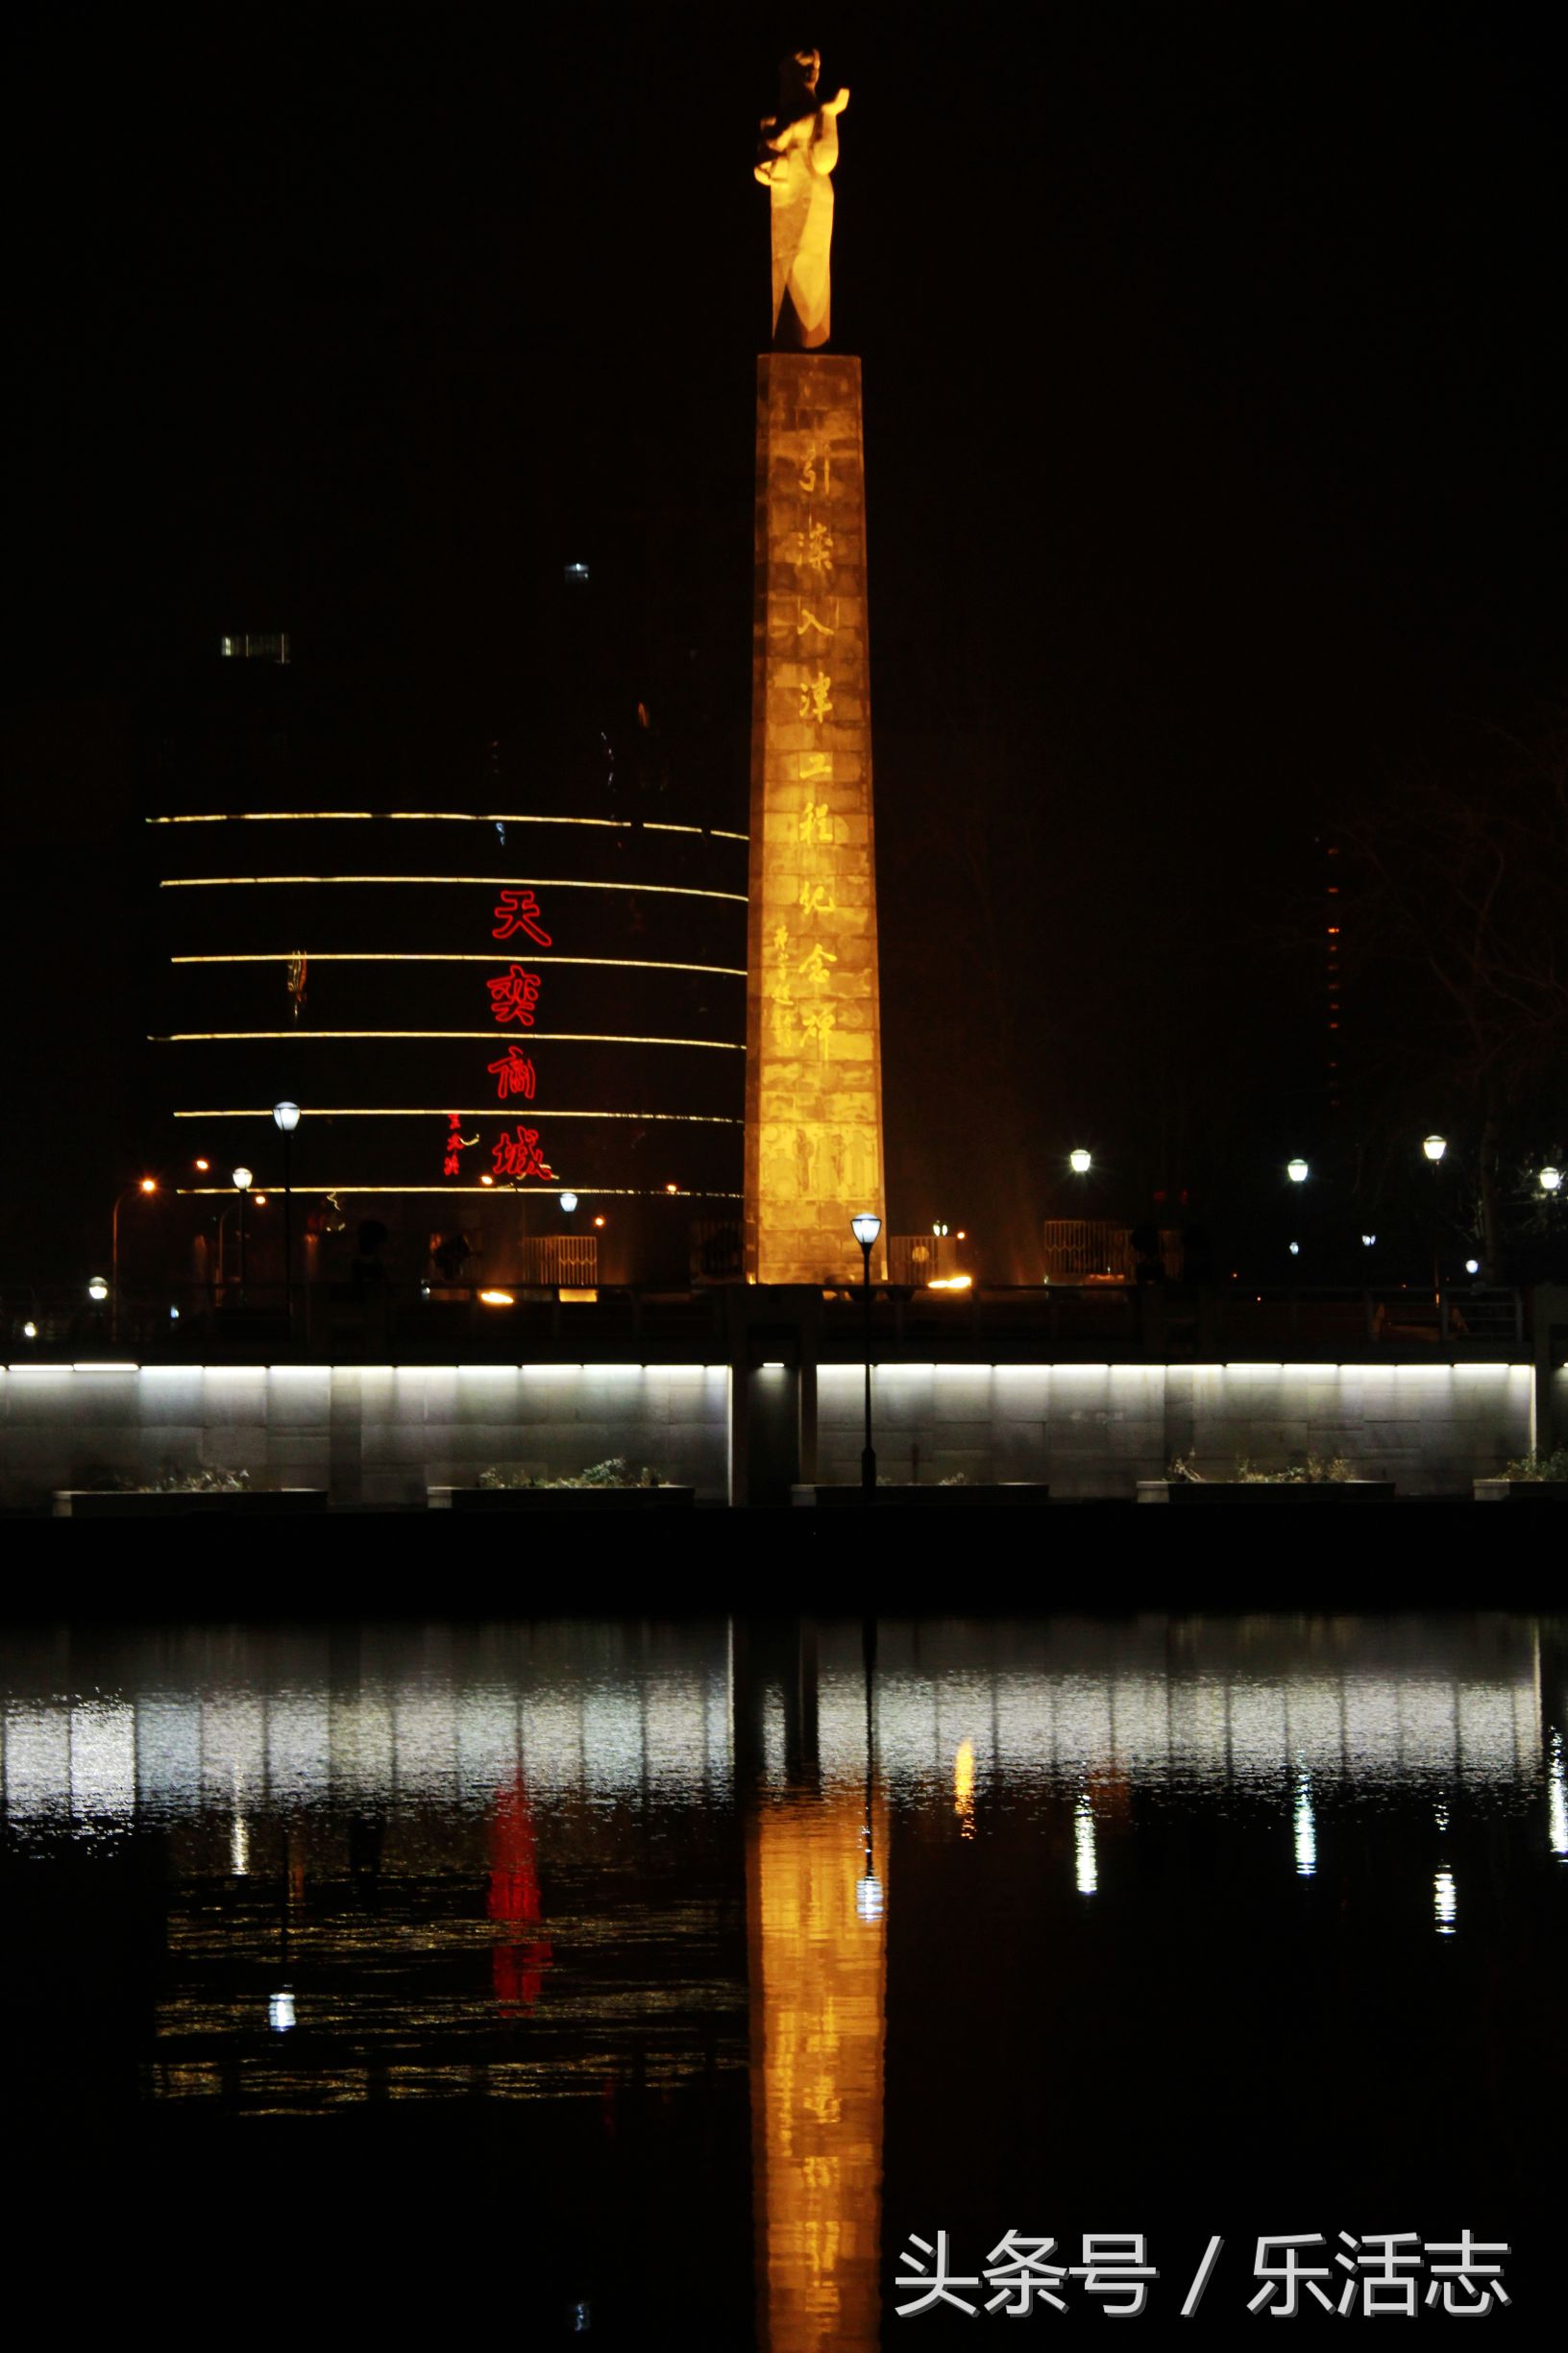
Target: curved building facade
[{"x": 481, "y": 998}]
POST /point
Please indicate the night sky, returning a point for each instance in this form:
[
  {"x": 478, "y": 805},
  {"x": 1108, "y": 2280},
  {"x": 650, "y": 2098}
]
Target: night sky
[{"x": 1214, "y": 404}]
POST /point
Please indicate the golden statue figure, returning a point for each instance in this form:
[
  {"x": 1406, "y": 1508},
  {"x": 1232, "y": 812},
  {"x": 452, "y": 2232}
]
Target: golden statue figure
[{"x": 799, "y": 148}]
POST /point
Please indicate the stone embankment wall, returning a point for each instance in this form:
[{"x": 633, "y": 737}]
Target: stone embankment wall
[
  {"x": 377, "y": 1434},
  {"x": 372, "y": 1435},
  {"x": 1097, "y": 1429}
]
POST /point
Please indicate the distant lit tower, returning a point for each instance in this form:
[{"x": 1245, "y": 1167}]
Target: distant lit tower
[{"x": 1334, "y": 935}]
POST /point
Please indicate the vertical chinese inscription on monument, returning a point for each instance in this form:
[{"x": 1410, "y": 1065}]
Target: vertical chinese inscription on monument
[{"x": 814, "y": 1090}]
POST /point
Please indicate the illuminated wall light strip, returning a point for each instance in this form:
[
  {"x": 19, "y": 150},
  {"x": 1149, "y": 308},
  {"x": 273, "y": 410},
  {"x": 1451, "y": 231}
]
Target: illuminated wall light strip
[
  {"x": 631, "y": 963},
  {"x": 499, "y": 1191},
  {"x": 321, "y": 1111},
  {"x": 541, "y": 882},
  {"x": 251, "y": 816},
  {"x": 663, "y": 1373},
  {"x": 433, "y": 817},
  {"x": 566, "y": 1037}
]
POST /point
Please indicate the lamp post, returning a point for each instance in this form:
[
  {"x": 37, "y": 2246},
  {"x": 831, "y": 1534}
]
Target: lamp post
[
  {"x": 287, "y": 1119},
  {"x": 1434, "y": 1147},
  {"x": 1551, "y": 1180},
  {"x": 865, "y": 1228},
  {"x": 1080, "y": 1162},
  {"x": 1297, "y": 1171},
  {"x": 144, "y": 1185},
  {"x": 242, "y": 1186}
]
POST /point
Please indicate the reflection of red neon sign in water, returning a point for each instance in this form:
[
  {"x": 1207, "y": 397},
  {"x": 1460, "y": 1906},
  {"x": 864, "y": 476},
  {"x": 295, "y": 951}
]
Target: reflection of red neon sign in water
[
  {"x": 513, "y": 1074},
  {"x": 518, "y": 1155},
  {"x": 516, "y": 1967},
  {"x": 514, "y": 996},
  {"x": 519, "y": 911}
]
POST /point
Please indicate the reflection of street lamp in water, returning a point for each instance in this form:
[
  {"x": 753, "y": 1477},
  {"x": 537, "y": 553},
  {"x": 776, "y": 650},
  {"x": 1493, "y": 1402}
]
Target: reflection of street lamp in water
[
  {"x": 869, "y": 1896},
  {"x": 281, "y": 2006},
  {"x": 1086, "y": 1863}
]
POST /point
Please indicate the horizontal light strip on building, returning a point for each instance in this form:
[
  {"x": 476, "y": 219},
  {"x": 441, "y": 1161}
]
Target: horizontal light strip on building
[
  {"x": 487, "y": 1110},
  {"x": 539, "y": 882},
  {"x": 436, "y": 817},
  {"x": 554, "y": 1037},
  {"x": 501, "y": 1191},
  {"x": 633, "y": 964}
]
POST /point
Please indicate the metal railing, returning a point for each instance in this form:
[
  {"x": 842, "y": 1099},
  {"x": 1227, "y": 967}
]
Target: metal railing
[{"x": 374, "y": 1318}]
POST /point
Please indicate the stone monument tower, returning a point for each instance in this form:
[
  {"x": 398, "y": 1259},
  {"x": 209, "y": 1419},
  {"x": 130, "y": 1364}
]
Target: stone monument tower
[{"x": 814, "y": 1062}]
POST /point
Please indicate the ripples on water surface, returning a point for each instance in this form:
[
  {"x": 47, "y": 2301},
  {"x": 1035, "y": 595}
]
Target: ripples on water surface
[{"x": 698, "y": 1966}]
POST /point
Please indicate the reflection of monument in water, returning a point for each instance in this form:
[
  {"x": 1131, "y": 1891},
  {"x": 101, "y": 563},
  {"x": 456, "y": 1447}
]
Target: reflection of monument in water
[
  {"x": 818, "y": 1976},
  {"x": 814, "y": 1072},
  {"x": 816, "y": 1850}
]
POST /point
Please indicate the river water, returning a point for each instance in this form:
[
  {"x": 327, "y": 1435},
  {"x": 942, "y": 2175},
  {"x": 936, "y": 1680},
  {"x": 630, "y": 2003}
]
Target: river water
[{"x": 695, "y": 1974}]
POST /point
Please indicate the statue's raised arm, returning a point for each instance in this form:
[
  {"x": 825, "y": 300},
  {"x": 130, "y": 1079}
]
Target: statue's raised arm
[{"x": 796, "y": 155}]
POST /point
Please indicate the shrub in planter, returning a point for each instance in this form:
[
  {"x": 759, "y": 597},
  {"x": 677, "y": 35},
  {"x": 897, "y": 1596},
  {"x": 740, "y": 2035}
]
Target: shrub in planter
[
  {"x": 176, "y": 1493},
  {"x": 1320, "y": 1477},
  {"x": 1534, "y": 1478},
  {"x": 1534, "y": 1467},
  {"x": 615, "y": 1483},
  {"x": 617, "y": 1472}
]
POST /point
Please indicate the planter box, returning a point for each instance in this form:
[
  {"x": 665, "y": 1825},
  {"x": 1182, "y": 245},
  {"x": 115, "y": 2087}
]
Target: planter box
[
  {"x": 1002, "y": 1491},
  {"x": 1522, "y": 1490},
  {"x": 250, "y": 1503},
  {"x": 1264, "y": 1491},
  {"x": 560, "y": 1498}
]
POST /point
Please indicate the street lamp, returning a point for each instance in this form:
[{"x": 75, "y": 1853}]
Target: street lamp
[
  {"x": 143, "y": 1184},
  {"x": 1080, "y": 1162},
  {"x": 1297, "y": 1171},
  {"x": 569, "y": 1202},
  {"x": 242, "y": 1186},
  {"x": 865, "y": 1228},
  {"x": 1551, "y": 1180},
  {"x": 97, "y": 1290},
  {"x": 287, "y": 1119},
  {"x": 1434, "y": 1147}
]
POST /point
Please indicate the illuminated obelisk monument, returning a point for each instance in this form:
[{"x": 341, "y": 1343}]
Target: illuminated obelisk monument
[{"x": 814, "y": 1062}]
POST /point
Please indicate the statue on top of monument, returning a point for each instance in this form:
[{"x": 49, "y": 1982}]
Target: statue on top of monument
[{"x": 799, "y": 148}]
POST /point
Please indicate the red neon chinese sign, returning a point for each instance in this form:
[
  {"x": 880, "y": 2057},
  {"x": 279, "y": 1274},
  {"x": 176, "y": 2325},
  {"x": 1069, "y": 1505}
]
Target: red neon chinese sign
[
  {"x": 516, "y": 1155},
  {"x": 514, "y": 996},
  {"x": 457, "y": 1141},
  {"x": 518, "y": 909},
  {"x": 513, "y": 1074}
]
